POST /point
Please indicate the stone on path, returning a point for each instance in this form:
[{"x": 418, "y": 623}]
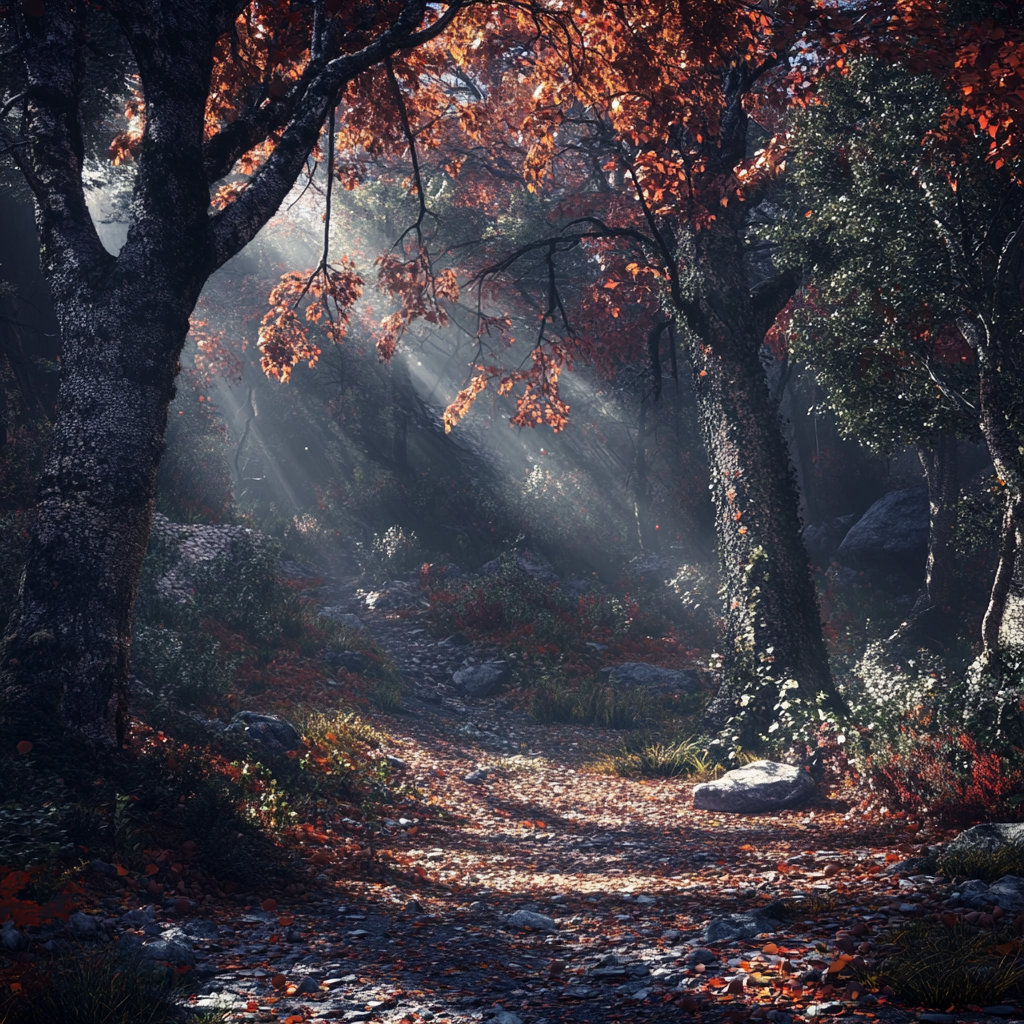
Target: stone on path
[
  {"x": 758, "y": 786},
  {"x": 523, "y": 919},
  {"x": 732, "y": 927},
  {"x": 1006, "y": 892},
  {"x": 482, "y": 680}
]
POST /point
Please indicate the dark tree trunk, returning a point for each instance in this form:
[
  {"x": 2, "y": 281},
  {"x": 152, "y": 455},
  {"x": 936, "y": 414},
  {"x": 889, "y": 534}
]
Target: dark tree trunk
[
  {"x": 936, "y": 607},
  {"x": 123, "y": 320},
  {"x": 647, "y": 534},
  {"x": 772, "y": 621}
]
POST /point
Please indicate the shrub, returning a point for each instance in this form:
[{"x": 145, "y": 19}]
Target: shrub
[
  {"x": 641, "y": 756},
  {"x": 83, "y": 987},
  {"x": 180, "y": 669},
  {"x": 942, "y": 966},
  {"x": 947, "y": 776},
  {"x": 593, "y": 702},
  {"x": 392, "y": 554},
  {"x": 988, "y": 865}
]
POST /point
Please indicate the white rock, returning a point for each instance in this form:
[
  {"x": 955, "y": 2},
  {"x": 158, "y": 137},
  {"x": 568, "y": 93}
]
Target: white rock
[{"x": 758, "y": 786}]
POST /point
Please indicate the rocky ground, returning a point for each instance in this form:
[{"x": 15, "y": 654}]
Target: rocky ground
[{"x": 543, "y": 891}]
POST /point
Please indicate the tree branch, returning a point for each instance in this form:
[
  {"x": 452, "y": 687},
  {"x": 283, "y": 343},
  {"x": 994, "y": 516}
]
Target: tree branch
[{"x": 238, "y": 224}]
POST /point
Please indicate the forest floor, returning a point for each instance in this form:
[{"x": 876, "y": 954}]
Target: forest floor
[{"x": 625, "y": 874}]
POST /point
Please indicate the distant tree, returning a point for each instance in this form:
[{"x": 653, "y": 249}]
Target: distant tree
[{"x": 876, "y": 319}]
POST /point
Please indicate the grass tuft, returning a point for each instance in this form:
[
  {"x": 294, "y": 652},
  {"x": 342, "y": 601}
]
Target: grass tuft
[
  {"x": 988, "y": 866},
  {"x": 939, "y": 966},
  {"x": 92, "y": 988}
]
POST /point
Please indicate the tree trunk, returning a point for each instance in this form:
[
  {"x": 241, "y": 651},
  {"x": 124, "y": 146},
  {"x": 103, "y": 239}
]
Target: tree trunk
[
  {"x": 646, "y": 532},
  {"x": 772, "y": 617},
  {"x": 938, "y": 602},
  {"x": 67, "y": 645}
]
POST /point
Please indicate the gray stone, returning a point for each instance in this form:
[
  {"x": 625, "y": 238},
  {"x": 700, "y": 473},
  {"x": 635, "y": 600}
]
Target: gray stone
[
  {"x": 396, "y": 762},
  {"x": 506, "y": 1017},
  {"x": 271, "y": 732},
  {"x": 82, "y": 925},
  {"x": 523, "y": 919},
  {"x": 483, "y": 680},
  {"x": 1007, "y": 892},
  {"x": 11, "y": 938},
  {"x": 893, "y": 532},
  {"x": 102, "y": 867},
  {"x": 700, "y": 956},
  {"x": 201, "y": 929},
  {"x": 731, "y": 927},
  {"x": 529, "y": 563},
  {"x": 666, "y": 680},
  {"x": 758, "y": 786},
  {"x": 988, "y": 838},
  {"x": 478, "y": 775},
  {"x": 394, "y": 594},
  {"x": 139, "y": 918},
  {"x": 828, "y": 1009},
  {"x": 307, "y": 986},
  {"x": 172, "y": 948},
  {"x": 1002, "y": 1010}
]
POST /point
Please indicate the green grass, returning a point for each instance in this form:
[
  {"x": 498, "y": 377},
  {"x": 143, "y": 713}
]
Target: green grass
[
  {"x": 643, "y": 757},
  {"x": 594, "y": 702},
  {"x": 1007, "y": 860}
]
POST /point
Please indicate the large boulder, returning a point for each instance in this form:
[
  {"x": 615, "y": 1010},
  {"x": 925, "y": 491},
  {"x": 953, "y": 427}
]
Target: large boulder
[
  {"x": 270, "y": 732},
  {"x": 758, "y": 786},
  {"x": 482, "y": 680},
  {"x": 988, "y": 838},
  {"x": 530, "y": 563},
  {"x": 893, "y": 533},
  {"x": 632, "y": 674}
]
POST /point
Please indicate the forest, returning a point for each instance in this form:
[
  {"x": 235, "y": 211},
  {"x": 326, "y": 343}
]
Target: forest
[{"x": 511, "y": 511}]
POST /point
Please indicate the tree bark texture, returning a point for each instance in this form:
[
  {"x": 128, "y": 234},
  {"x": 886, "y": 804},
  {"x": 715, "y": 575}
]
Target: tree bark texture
[
  {"x": 124, "y": 320},
  {"x": 940, "y": 598},
  {"x": 772, "y": 619}
]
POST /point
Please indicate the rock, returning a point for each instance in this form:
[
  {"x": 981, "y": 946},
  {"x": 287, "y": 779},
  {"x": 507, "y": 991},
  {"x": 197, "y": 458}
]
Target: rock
[
  {"x": 822, "y": 539},
  {"x": 664, "y": 680},
  {"x": 479, "y": 775},
  {"x": 506, "y": 1017},
  {"x": 392, "y": 595},
  {"x": 1002, "y": 1010},
  {"x": 396, "y": 763},
  {"x": 82, "y": 925},
  {"x": 139, "y": 918},
  {"x": 172, "y": 947},
  {"x": 758, "y": 786},
  {"x": 351, "y": 661},
  {"x": 528, "y": 562},
  {"x": 343, "y": 618},
  {"x": 988, "y": 838},
  {"x": 102, "y": 867},
  {"x": 1007, "y": 892},
  {"x": 893, "y": 532},
  {"x": 201, "y": 929},
  {"x": 911, "y": 865},
  {"x": 482, "y": 680},
  {"x": 829, "y": 1010},
  {"x": 307, "y": 986},
  {"x": 700, "y": 956},
  {"x": 523, "y": 919},
  {"x": 740, "y": 926},
  {"x": 271, "y": 732},
  {"x": 11, "y": 938}
]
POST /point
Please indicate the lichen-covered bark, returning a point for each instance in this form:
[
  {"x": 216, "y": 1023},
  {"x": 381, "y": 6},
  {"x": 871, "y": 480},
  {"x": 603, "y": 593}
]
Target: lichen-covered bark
[
  {"x": 771, "y": 615},
  {"x": 123, "y": 320}
]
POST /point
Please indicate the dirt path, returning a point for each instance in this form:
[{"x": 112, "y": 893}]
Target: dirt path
[
  {"x": 550, "y": 893},
  {"x": 536, "y": 890}
]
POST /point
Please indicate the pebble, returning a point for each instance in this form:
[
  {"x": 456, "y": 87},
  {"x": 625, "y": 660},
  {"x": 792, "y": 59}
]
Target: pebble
[{"x": 523, "y": 919}]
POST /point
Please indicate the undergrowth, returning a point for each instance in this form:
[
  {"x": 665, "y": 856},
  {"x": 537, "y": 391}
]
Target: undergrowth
[
  {"x": 941, "y": 966},
  {"x": 86, "y": 987},
  {"x": 641, "y": 756}
]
